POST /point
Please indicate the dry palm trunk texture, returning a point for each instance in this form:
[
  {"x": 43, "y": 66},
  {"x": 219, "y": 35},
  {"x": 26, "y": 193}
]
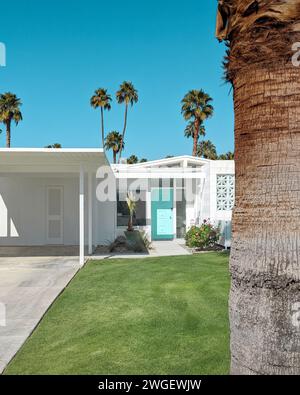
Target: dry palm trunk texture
[{"x": 265, "y": 256}]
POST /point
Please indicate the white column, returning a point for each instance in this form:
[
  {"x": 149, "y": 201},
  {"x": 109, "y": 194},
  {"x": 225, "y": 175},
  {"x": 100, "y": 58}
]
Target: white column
[
  {"x": 174, "y": 209},
  {"x": 148, "y": 214},
  {"x": 90, "y": 213},
  {"x": 81, "y": 216}
]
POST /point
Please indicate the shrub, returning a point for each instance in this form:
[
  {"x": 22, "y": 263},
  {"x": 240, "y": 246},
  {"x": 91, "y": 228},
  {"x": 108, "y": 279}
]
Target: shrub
[
  {"x": 120, "y": 245},
  {"x": 202, "y": 237},
  {"x": 133, "y": 241}
]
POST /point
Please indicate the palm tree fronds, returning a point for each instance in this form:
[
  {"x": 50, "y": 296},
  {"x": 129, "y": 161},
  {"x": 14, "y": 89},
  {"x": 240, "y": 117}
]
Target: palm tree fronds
[
  {"x": 10, "y": 111},
  {"x": 101, "y": 99},
  {"x": 127, "y": 94},
  {"x": 206, "y": 149},
  {"x": 114, "y": 142},
  {"x": 196, "y": 108}
]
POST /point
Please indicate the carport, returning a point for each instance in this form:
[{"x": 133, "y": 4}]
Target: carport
[{"x": 48, "y": 202}]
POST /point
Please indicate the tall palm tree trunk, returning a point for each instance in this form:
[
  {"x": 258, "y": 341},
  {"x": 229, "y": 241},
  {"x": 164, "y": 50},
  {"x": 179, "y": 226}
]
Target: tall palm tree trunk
[
  {"x": 196, "y": 136},
  {"x": 8, "y": 134},
  {"x": 102, "y": 128},
  {"x": 124, "y": 131},
  {"x": 265, "y": 254},
  {"x": 114, "y": 156}
]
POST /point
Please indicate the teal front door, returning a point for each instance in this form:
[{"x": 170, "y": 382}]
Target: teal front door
[{"x": 162, "y": 223}]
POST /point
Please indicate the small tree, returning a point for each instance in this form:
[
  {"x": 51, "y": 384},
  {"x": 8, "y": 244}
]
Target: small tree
[{"x": 131, "y": 203}]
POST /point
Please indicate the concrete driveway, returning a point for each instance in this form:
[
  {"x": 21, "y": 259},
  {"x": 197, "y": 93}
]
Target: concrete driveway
[{"x": 28, "y": 286}]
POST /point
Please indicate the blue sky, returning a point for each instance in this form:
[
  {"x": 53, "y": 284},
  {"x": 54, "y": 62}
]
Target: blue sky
[{"x": 60, "y": 51}]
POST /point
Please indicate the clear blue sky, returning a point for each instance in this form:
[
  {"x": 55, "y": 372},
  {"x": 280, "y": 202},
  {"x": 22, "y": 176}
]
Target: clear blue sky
[{"x": 60, "y": 51}]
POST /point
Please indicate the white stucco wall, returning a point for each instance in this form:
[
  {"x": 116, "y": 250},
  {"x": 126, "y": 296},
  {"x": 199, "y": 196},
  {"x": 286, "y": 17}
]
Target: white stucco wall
[
  {"x": 105, "y": 222},
  {"x": 23, "y": 209},
  {"x": 23, "y": 203}
]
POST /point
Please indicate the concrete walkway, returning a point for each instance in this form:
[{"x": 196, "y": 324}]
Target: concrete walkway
[
  {"x": 159, "y": 248},
  {"x": 28, "y": 286},
  {"x": 168, "y": 248}
]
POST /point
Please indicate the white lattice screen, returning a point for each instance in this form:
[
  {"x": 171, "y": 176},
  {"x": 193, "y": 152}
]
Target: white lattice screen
[{"x": 225, "y": 192}]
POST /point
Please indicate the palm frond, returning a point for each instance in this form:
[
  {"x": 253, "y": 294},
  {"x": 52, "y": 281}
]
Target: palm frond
[
  {"x": 114, "y": 141},
  {"x": 101, "y": 99},
  {"x": 127, "y": 94},
  {"x": 207, "y": 150},
  {"x": 10, "y": 108}
]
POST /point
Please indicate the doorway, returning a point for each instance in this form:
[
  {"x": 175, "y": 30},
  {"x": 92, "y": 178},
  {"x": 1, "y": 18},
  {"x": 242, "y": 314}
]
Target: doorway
[
  {"x": 54, "y": 221},
  {"x": 162, "y": 224}
]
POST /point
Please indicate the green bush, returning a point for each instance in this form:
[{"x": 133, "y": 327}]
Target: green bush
[{"x": 202, "y": 237}]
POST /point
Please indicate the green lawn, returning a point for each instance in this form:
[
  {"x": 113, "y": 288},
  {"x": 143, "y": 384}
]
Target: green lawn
[{"x": 150, "y": 316}]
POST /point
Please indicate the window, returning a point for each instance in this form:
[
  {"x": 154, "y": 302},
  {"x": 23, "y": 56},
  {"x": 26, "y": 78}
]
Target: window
[
  {"x": 180, "y": 213},
  {"x": 225, "y": 192},
  {"x": 162, "y": 183},
  {"x": 139, "y": 217}
]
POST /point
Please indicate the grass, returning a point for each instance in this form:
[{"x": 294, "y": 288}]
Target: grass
[{"x": 150, "y": 316}]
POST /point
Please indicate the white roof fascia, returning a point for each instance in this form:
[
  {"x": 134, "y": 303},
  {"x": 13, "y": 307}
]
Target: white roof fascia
[
  {"x": 159, "y": 173},
  {"x": 53, "y": 150},
  {"x": 165, "y": 161}
]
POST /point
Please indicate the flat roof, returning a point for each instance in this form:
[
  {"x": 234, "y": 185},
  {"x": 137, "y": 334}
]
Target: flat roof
[
  {"x": 53, "y": 150},
  {"x": 38, "y": 158},
  {"x": 167, "y": 161}
]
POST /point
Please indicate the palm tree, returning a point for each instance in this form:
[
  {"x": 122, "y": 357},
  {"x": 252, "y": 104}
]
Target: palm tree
[
  {"x": 101, "y": 99},
  {"x": 10, "y": 111},
  {"x": 132, "y": 160},
  {"x": 228, "y": 156},
  {"x": 190, "y": 130},
  {"x": 264, "y": 263},
  {"x": 55, "y": 145},
  {"x": 206, "y": 149},
  {"x": 129, "y": 95},
  {"x": 114, "y": 142},
  {"x": 196, "y": 108}
]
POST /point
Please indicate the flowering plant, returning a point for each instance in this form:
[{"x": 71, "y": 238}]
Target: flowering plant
[{"x": 203, "y": 236}]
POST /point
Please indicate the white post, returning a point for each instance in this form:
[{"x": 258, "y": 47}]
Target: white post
[
  {"x": 90, "y": 210},
  {"x": 174, "y": 209},
  {"x": 148, "y": 214},
  {"x": 81, "y": 216}
]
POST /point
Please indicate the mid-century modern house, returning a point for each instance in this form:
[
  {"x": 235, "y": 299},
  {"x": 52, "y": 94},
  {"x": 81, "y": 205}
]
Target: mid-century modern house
[
  {"x": 51, "y": 197},
  {"x": 175, "y": 194}
]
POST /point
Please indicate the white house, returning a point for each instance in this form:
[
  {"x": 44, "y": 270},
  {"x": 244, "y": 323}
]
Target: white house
[
  {"x": 48, "y": 197},
  {"x": 177, "y": 193},
  {"x": 51, "y": 197}
]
